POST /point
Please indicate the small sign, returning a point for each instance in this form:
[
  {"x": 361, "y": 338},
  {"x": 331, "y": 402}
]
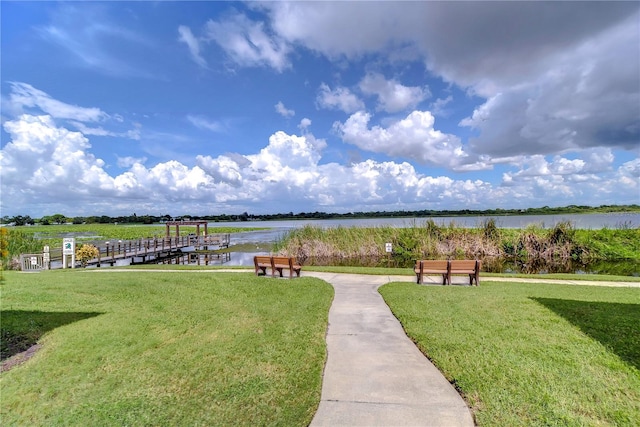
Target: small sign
[
  {"x": 68, "y": 246},
  {"x": 46, "y": 257},
  {"x": 388, "y": 248},
  {"x": 34, "y": 260}
]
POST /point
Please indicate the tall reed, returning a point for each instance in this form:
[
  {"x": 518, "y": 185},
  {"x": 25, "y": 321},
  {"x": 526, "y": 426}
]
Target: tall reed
[
  {"x": 16, "y": 242},
  {"x": 431, "y": 241}
]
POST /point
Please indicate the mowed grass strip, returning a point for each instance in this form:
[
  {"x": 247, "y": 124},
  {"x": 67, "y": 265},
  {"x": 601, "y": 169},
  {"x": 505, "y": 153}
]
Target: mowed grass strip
[
  {"x": 167, "y": 349},
  {"x": 531, "y": 354}
]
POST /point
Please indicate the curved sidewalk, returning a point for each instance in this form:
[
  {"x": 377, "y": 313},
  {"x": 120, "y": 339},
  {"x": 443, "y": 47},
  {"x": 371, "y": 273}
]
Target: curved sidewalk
[{"x": 375, "y": 375}]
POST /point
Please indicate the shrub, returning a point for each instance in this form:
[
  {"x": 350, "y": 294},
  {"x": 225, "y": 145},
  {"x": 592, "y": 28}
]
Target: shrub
[
  {"x": 85, "y": 253},
  {"x": 490, "y": 230},
  {"x": 563, "y": 232},
  {"x": 432, "y": 229}
]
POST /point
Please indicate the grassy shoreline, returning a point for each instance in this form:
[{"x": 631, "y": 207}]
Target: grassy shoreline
[
  {"x": 532, "y": 244},
  {"x": 529, "y": 249}
]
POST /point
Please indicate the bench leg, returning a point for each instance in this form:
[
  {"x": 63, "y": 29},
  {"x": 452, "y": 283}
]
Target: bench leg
[{"x": 474, "y": 277}]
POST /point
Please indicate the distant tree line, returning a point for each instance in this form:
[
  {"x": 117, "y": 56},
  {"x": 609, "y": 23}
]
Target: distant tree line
[{"x": 153, "y": 219}]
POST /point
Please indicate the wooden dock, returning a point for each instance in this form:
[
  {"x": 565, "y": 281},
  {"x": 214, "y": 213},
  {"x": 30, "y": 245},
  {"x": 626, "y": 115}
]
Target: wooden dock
[
  {"x": 206, "y": 249},
  {"x": 155, "y": 250}
]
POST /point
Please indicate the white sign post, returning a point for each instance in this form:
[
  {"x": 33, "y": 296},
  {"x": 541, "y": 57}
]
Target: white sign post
[
  {"x": 46, "y": 258},
  {"x": 69, "y": 248},
  {"x": 388, "y": 249}
]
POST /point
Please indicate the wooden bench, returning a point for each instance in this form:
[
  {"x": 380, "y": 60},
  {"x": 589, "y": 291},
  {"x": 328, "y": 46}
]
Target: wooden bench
[
  {"x": 465, "y": 266},
  {"x": 431, "y": 266},
  {"x": 447, "y": 269},
  {"x": 276, "y": 264}
]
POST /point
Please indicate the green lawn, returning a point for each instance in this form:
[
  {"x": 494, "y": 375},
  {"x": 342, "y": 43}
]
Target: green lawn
[
  {"x": 146, "y": 348},
  {"x": 214, "y": 348},
  {"x": 531, "y": 354}
]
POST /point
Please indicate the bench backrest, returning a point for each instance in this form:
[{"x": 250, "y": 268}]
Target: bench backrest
[
  {"x": 282, "y": 260},
  {"x": 260, "y": 259},
  {"x": 463, "y": 265},
  {"x": 435, "y": 264}
]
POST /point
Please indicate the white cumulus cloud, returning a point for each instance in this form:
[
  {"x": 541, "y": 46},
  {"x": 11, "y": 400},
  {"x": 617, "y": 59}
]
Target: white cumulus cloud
[
  {"x": 49, "y": 168},
  {"x": 392, "y": 95},
  {"x": 304, "y": 123},
  {"x": 284, "y": 111},
  {"x": 413, "y": 137},
  {"x": 340, "y": 98},
  {"x": 248, "y": 43}
]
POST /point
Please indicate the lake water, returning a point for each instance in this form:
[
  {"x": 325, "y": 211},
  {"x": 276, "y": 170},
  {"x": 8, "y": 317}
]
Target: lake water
[
  {"x": 278, "y": 228},
  {"x": 586, "y": 221},
  {"x": 251, "y": 243}
]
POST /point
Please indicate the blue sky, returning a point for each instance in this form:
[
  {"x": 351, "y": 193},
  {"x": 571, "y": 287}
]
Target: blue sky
[{"x": 111, "y": 108}]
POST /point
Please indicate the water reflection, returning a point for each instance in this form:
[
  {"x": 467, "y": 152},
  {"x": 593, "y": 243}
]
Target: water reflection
[{"x": 621, "y": 267}]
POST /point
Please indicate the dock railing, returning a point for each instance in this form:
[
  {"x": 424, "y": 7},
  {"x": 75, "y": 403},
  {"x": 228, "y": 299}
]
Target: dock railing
[{"x": 112, "y": 251}]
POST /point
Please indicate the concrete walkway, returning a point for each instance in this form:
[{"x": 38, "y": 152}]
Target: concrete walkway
[{"x": 375, "y": 375}]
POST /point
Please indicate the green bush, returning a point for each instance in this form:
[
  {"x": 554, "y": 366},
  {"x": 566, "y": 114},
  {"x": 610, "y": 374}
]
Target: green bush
[{"x": 16, "y": 242}]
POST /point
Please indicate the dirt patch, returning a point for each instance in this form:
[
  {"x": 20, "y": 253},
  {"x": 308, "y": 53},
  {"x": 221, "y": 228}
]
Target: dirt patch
[{"x": 18, "y": 359}]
